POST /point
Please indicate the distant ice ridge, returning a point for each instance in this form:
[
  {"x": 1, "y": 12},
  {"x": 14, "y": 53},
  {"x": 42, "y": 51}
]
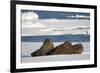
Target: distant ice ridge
[
  {"x": 52, "y": 20},
  {"x": 33, "y": 25},
  {"x": 56, "y": 31},
  {"x": 62, "y": 29}
]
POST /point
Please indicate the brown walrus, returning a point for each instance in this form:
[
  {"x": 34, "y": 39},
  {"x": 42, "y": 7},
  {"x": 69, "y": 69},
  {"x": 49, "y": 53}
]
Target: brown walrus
[
  {"x": 45, "y": 48},
  {"x": 77, "y": 49},
  {"x": 67, "y": 48},
  {"x": 61, "y": 49}
]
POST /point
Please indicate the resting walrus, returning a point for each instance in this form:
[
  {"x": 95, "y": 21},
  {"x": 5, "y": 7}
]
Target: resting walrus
[
  {"x": 67, "y": 48},
  {"x": 45, "y": 48},
  {"x": 61, "y": 49}
]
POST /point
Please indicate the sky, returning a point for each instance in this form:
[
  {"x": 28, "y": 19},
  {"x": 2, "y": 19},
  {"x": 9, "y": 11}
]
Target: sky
[{"x": 56, "y": 14}]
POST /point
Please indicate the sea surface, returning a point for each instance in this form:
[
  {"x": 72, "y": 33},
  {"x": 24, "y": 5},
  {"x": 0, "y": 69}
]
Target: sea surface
[{"x": 57, "y": 38}]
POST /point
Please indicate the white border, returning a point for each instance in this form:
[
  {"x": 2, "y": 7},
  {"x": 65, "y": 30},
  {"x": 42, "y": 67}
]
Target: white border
[{"x": 51, "y": 64}]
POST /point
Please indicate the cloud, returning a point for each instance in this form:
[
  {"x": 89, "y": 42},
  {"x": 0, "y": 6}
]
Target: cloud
[
  {"x": 31, "y": 19},
  {"x": 29, "y": 16},
  {"x": 78, "y": 16},
  {"x": 82, "y": 16}
]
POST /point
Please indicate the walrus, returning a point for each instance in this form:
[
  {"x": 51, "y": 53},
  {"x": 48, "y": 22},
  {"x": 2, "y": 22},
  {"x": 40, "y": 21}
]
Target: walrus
[
  {"x": 45, "y": 48},
  {"x": 61, "y": 49},
  {"x": 67, "y": 48},
  {"x": 77, "y": 49}
]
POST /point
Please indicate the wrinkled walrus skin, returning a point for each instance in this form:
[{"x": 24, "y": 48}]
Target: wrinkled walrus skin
[
  {"x": 67, "y": 48},
  {"x": 45, "y": 48},
  {"x": 61, "y": 49}
]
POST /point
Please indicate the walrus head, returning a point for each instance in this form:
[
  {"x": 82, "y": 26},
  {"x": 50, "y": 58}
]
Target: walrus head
[
  {"x": 44, "y": 49},
  {"x": 47, "y": 41},
  {"x": 77, "y": 48}
]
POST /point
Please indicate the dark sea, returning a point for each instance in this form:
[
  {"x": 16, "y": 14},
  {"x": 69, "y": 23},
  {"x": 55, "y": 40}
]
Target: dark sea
[{"x": 57, "y": 38}]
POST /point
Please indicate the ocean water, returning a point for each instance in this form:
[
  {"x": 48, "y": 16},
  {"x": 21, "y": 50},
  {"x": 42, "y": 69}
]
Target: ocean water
[{"x": 57, "y": 38}]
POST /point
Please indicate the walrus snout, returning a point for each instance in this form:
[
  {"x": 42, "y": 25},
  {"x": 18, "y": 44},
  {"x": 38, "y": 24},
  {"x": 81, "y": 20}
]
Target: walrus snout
[{"x": 78, "y": 48}]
